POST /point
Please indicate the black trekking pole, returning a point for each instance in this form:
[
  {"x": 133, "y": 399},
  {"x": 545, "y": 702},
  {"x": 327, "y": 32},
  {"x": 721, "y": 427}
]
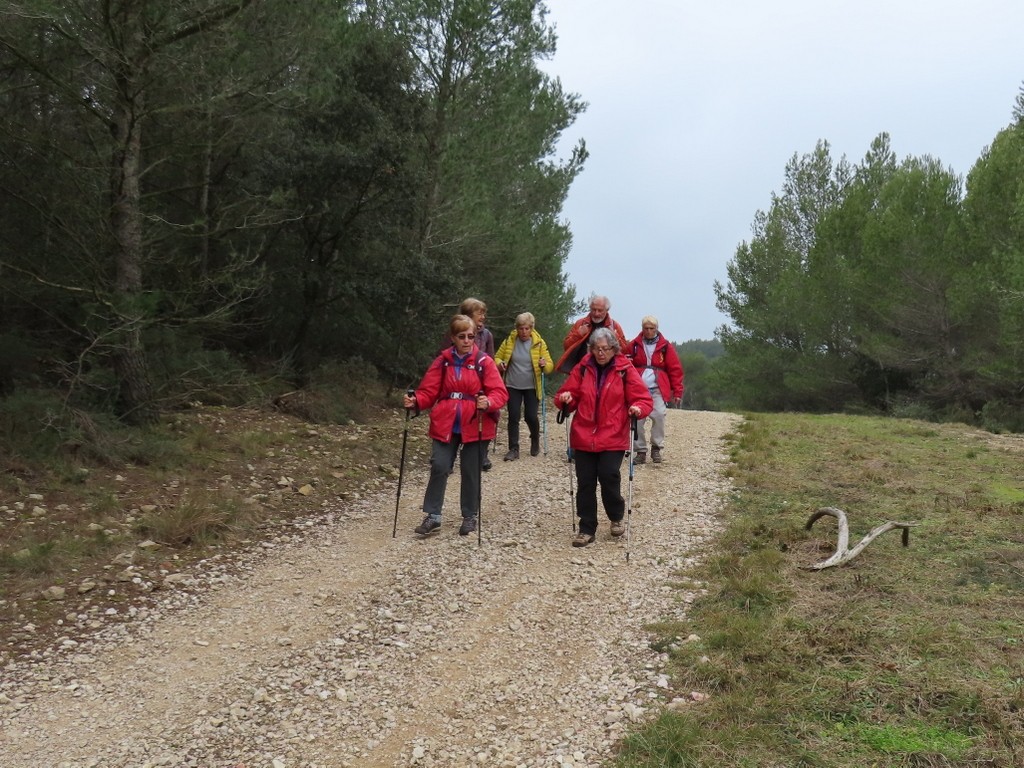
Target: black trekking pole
[
  {"x": 563, "y": 416},
  {"x": 480, "y": 473},
  {"x": 629, "y": 504},
  {"x": 401, "y": 464}
]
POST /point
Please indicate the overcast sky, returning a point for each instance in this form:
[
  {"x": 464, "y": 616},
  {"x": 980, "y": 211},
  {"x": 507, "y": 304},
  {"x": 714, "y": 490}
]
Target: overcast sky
[{"x": 695, "y": 109}]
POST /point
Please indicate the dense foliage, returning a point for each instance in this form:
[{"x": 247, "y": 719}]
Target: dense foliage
[
  {"x": 185, "y": 184},
  {"x": 884, "y": 285}
]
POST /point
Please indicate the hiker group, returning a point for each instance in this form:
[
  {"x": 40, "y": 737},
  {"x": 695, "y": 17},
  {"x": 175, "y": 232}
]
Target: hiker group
[{"x": 613, "y": 387}]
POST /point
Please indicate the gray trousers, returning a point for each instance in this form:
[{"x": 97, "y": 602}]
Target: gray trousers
[
  {"x": 657, "y": 419},
  {"x": 442, "y": 457}
]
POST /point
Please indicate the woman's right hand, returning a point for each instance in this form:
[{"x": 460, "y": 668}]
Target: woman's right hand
[
  {"x": 566, "y": 398},
  {"x": 408, "y": 401}
]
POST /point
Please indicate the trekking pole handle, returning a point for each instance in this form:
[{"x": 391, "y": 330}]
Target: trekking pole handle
[{"x": 563, "y": 413}]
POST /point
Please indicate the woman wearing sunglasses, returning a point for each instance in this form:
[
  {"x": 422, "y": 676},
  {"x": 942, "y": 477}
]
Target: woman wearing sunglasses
[
  {"x": 604, "y": 391},
  {"x": 465, "y": 394}
]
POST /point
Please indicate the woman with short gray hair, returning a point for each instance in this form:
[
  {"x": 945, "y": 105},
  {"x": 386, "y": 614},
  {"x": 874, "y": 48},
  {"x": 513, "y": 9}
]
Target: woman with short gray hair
[
  {"x": 604, "y": 391},
  {"x": 659, "y": 366}
]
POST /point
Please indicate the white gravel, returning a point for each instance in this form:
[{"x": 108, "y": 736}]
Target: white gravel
[{"x": 339, "y": 645}]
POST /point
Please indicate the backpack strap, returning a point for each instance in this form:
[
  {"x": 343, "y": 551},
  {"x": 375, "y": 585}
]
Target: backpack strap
[{"x": 476, "y": 365}]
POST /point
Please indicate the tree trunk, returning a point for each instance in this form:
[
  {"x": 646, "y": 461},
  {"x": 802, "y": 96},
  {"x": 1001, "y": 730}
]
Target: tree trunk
[{"x": 131, "y": 367}]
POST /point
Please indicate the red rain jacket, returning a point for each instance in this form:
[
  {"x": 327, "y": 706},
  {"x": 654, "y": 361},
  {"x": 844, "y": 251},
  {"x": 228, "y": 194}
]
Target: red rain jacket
[
  {"x": 446, "y": 394},
  {"x": 602, "y": 421},
  {"x": 668, "y": 371},
  {"x": 575, "y": 341}
]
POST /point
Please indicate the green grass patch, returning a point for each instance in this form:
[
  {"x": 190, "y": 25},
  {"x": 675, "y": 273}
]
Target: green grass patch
[
  {"x": 903, "y": 740},
  {"x": 901, "y": 657}
]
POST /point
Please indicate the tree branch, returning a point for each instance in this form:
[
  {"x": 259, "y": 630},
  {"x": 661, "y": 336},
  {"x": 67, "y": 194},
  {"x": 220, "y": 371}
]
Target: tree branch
[{"x": 843, "y": 551}]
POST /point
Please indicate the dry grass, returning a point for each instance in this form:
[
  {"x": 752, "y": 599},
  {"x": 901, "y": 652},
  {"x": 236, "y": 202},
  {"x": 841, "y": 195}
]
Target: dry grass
[
  {"x": 902, "y": 657},
  {"x": 212, "y": 479}
]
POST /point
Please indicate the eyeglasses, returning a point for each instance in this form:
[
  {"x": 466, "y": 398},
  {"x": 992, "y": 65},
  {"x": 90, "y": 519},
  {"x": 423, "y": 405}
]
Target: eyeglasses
[
  {"x": 600, "y": 350},
  {"x": 465, "y": 336}
]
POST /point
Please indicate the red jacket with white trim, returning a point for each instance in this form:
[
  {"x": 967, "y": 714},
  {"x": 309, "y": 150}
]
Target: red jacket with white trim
[{"x": 668, "y": 371}]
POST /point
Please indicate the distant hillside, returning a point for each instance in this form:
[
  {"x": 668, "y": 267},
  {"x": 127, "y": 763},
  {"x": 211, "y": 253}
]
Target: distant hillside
[{"x": 710, "y": 348}]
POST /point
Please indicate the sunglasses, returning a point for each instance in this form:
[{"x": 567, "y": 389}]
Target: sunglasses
[
  {"x": 465, "y": 336},
  {"x": 600, "y": 350}
]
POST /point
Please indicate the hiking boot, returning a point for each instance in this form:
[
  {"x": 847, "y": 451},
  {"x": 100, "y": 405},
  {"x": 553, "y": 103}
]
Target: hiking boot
[
  {"x": 468, "y": 526},
  {"x": 428, "y": 526},
  {"x": 640, "y": 457},
  {"x": 618, "y": 528},
  {"x": 487, "y": 464},
  {"x": 582, "y": 539},
  {"x": 512, "y": 455},
  {"x": 534, "y": 445},
  {"x": 656, "y": 455}
]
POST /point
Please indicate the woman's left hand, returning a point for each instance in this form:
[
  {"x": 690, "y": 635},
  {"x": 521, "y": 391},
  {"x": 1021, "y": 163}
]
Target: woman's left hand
[
  {"x": 482, "y": 402},
  {"x": 634, "y": 410}
]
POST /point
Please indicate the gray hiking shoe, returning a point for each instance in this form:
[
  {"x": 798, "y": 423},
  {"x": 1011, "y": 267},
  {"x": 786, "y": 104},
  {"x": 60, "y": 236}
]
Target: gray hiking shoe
[
  {"x": 429, "y": 525},
  {"x": 468, "y": 526},
  {"x": 640, "y": 457},
  {"x": 656, "y": 455},
  {"x": 618, "y": 528}
]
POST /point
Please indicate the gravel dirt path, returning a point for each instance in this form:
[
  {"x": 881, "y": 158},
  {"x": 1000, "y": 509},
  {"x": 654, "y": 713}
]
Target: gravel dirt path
[{"x": 338, "y": 645}]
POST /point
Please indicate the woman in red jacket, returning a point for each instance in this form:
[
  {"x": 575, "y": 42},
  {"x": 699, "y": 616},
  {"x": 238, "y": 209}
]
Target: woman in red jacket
[
  {"x": 604, "y": 390},
  {"x": 465, "y": 395},
  {"x": 656, "y": 359}
]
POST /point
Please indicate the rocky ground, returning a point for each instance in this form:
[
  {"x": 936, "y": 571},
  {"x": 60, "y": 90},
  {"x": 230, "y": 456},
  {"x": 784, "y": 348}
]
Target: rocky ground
[{"x": 336, "y": 644}]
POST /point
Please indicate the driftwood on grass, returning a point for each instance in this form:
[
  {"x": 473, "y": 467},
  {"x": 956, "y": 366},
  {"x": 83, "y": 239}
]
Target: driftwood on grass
[{"x": 845, "y": 553}]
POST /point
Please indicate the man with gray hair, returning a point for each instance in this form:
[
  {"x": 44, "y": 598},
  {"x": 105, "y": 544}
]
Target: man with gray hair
[{"x": 575, "y": 342}]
